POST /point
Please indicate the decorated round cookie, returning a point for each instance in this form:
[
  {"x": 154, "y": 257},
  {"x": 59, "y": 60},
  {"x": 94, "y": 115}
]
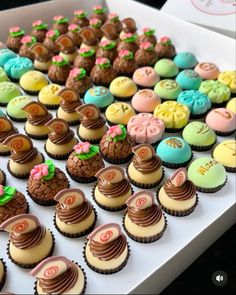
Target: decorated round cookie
[
  {"x": 49, "y": 96},
  {"x": 16, "y": 67},
  {"x": 167, "y": 89},
  {"x": 5, "y": 55},
  {"x": 100, "y": 96},
  {"x": 123, "y": 88},
  {"x": 146, "y": 77},
  {"x": 207, "y": 70},
  {"x": 33, "y": 81},
  {"x": 229, "y": 79},
  {"x": 166, "y": 68},
  {"x": 225, "y": 153},
  {"x": 119, "y": 113},
  {"x": 8, "y": 91},
  {"x": 189, "y": 79},
  {"x": 217, "y": 91},
  {"x": 185, "y": 60},
  {"x": 145, "y": 101}
]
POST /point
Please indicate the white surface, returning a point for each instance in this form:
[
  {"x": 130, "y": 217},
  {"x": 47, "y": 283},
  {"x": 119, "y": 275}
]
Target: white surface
[{"x": 185, "y": 238}]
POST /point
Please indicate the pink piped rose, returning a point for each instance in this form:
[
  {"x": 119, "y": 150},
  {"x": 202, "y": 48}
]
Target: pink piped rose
[
  {"x": 114, "y": 131},
  {"x": 26, "y": 39},
  {"x": 58, "y": 18},
  {"x": 127, "y": 35},
  {"x": 95, "y": 21},
  {"x": 146, "y": 45},
  {"x": 84, "y": 50},
  {"x": 57, "y": 58},
  {"x": 82, "y": 148},
  {"x": 124, "y": 53},
  {"x": 97, "y": 7},
  {"x": 1, "y": 190},
  {"x": 73, "y": 27},
  {"x": 14, "y": 29},
  {"x": 78, "y": 12},
  {"x": 75, "y": 72},
  {"x": 112, "y": 15},
  {"x": 102, "y": 61},
  {"x": 164, "y": 39},
  {"x": 39, "y": 171},
  {"x": 105, "y": 43},
  {"x": 145, "y": 30},
  {"x": 50, "y": 34},
  {"x": 37, "y": 23}
]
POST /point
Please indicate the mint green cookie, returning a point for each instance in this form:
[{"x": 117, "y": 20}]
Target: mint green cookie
[
  {"x": 14, "y": 108},
  {"x": 3, "y": 75},
  {"x": 216, "y": 91},
  {"x": 166, "y": 68},
  {"x": 207, "y": 173},
  {"x": 8, "y": 91},
  {"x": 168, "y": 89}
]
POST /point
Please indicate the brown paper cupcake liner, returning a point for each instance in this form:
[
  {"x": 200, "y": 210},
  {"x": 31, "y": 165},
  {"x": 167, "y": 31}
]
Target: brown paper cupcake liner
[
  {"x": 117, "y": 161},
  {"x": 92, "y": 141},
  {"x": 3, "y": 104},
  {"x": 13, "y": 79},
  {"x": 145, "y": 185},
  {"x": 57, "y": 81},
  {"x": 28, "y": 266},
  {"x": 79, "y": 235},
  {"x": 173, "y": 130},
  {"x": 82, "y": 179},
  {"x": 29, "y": 92},
  {"x": 3, "y": 280},
  {"x": 71, "y": 123},
  {"x": 202, "y": 148},
  {"x": 5, "y": 154},
  {"x": 57, "y": 157},
  {"x": 103, "y": 109},
  {"x": 211, "y": 190},
  {"x": 179, "y": 165},
  {"x": 199, "y": 116},
  {"x": 145, "y": 240},
  {"x": 4, "y": 177},
  {"x": 51, "y": 106},
  {"x": 219, "y": 133},
  {"x": 163, "y": 99},
  {"x": 85, "y": 281},
  {"x": 107, "y": 271},
  {"x": 219, "y": 105},
  {"x": 17, "y": 119},
  {"x": 36, "y": 137},
  {"x": 127, "y": 98},
  {"x": 113, "y": 124}
]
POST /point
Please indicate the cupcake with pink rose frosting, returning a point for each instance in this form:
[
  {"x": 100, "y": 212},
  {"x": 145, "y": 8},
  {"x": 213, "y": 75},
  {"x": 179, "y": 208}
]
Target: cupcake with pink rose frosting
[
  {"x": 99, "y": 12},
  {"x": 50, "y": 41},
  {"x": 147, "y": 36},
  {"x": 86, "y": 59},
  {"x": 113, "y": 18},
  {"x": 59, "y": 71},
  {"x": 25, "y": 50},
  {"x": 96, "y": 25},
  {"x": 60, "y": 23},
  {"x": 145, "y": 128},
  {"x": 39, "y": 30},
  {"x": 73, "y": 31},
  {"x": 80, "y": 18},
  {"x": 14, "y": 38},
  {"x": 107, "y": 50},
  {"x": 125, "y": 63},
  {"x": 145, "y": 101},
  {"x": 79, "y": 81},
  {"x": 164, "y": 48},
  {"x": 146, "y": 55},
  {"x": 128, "y": 42},
  {"x": 207, "y": 70},
  {"x": 146, "y": 77}
]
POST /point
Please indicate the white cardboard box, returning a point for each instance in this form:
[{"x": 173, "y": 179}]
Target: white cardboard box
[{"x": 151, "y": 267}]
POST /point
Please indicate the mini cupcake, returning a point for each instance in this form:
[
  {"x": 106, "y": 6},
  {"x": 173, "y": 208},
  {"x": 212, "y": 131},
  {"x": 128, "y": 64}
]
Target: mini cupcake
[
  {"x": 99, "y": 12},
  {"x": 128, "y": 26},
  {"x": 178, "y": 196},
  {"x": 12, "y": 203},
  {"x": 80, "y": 18},
  {"x": 100, "y": 96},
  {"x": 119, "y": 113},
  {"x": 174, "y": 152},
  {"x": 70, "y": 101},
  {"x": 114, "y": 19},
  {"x": 207, "y": 174},
  {"x": 107, "y": 50},
  {"x": 79, "y": 81},
  {"x": 103, "y": 73},
  {"x": 146, "y": 55},
  {"x": 225, "y": 153},
  {"x": 61, "y": 24},
  {"x": 3, "y": 273},
  {"x": 45, "y": 182},
  {"x": 67, "y": 48},
  {"x": 229, "y": 79},
  {"x": 145, "y": 101},
  {"x": 73, "y": 33},
  {"x": 166, "y": 68},
  {"x": 25, "y": 49},
  {"x": 198, "y": 103},
  {"x": 90, "y": 40},
  {"x": 8, "y": 91},
  {"x": 14, "y": 38},
  {"x": 6, "y": 129},
  {"x": 61, "y": 139},
  {"x": 116, "y": 145},
  {"x": 59, "y": 71},
  {"x": 128, "y": 42},
  {"x": 49, "y": 274},
  {"x": 110, "y": 32},
  {"x": 106, "y": 250},
  {"x": 147, "y": 36},
  {"x": 2, "y": 177},
  {"x": 231, "y": 105},
  {"x": 125, "y": 64},
  {"x": 123, "y": 88},
  {"x": 24, "y": 156},
  {"x": 145, "y": 170},
  {"x": 48, "y": 96},
  {"x": 92, "y": 125},
  {"x": 5, "y": 55},
  {"x": 145, "y": 77},
  {"x": 145, "y": 128},
  {"x": 14, "y": 108},
  {"x": 144, "y": 221},
  {"x": 29, "y": 241},
  {"x": 86, "y": 59},
  {"x": 96, "y": 25},
  {"x": 207, "y": 70},
  {"x": 84, "y": 162},
  {"x": 168, "y": 89},
  {"x": 42, "y": 57},
  {"x": 185, "y": 60},
  {"x": 39, "y": 30},
  {"x": 16, "y": 67},
  {"x": 50, "y": 41},
  {"x": 189, "y": 80},
  {"x": 164, "y": 48},
  {"x": 199, "y": 136},
  {"x": 75, "y": 216},
  {"x": 32, "y": 82},
  {"x": 37, "y": 117},
  {"x": 222, "y": 121}
]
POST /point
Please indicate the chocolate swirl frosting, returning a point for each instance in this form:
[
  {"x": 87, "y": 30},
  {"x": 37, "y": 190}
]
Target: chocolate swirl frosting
[
  {"x": 58, "y": 138},
  {"x": 44, "y": 58},
  {"x": 146, "y": 167},
  {"x": 39, "y": 120},
  {"x": 70, "y": 107},
  {"x": 73, "y": 215},
  {"x": 146, "y": 217},
  {"x": 93, "y": 123},
  {"x": 110, "y": 250},
  {"x": 5, "y": 134},
  {"x": 62, "y": 283},
  {"x": 28, "y": 240},
  {"x": 180, "y": 193},
  {"x": 113, "y": 190},
  {"x": 24, "y": 157}
]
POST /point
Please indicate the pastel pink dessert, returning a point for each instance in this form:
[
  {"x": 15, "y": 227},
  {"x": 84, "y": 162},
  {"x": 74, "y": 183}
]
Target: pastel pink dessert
[
  {"x": 207, "y": 70},
  {"x": 145, "y": 101},
  {"x": 222, "y": 121},
  {"x": 145, "y": 128},
  {"x": 146, "y": 77}
]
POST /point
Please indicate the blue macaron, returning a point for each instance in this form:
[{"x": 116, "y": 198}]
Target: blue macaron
[
  {"x": 16, "y": 67},
  {"x": 189, "y": 80},
  {"x": 100, "y": 96},
  {"x": 5, "y": 55},
  {"x": 185, "y": 60}
]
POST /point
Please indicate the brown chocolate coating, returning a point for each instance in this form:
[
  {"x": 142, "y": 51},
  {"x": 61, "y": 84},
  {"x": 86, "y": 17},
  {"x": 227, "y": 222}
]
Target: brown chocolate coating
[
  {"x": 77, "y": 40},
  {"x": 117, "y": 24},
  {"x": 110, "y": 54},
  {"x": 183, "y": 192},
  {"x": 39, "y": 34},
  {"x": 14, "y": 43},
  {"x": 25, "y": 51},
  {"x": 145, "y": 58},
  {"x": 80, "y": 86},
  {"x": 165, "y": 51},
  {"x": 125, "y": 67},
  {"x": 103, "y": 77},
  {"x": 101, "y": 16},
  {"x": 144, "y": 38},
  {"x": 132, "y": 46},
  {"x": 45, "y": 190},
  {"x": 62, "y": 28},
  {"x": 51, "y": 45},
  {"x": 86, "y": 63},
  {"x": 17, "y": 205},
  {"x": 59, "y": 75},
  {"x": 2, "y": 178},
  {"x": 81, "y": 22},
  {"x": 84, "y": 168},
  {"x": 98, "y": 33}
]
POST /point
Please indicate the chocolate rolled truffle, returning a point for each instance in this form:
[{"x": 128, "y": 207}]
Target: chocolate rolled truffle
[
  {"x": 79, "y": 81},
  {"x": 129, "y": 25},
  {"x": 14, "y": 38},
  {"x": 110, "y": 32},
  {"x": 90, "y": 40},
  {"x": 39, "y": 30},
  {"x": 125, "y": 63},
  {"x": 147, "y": 36},
  {"x": 128, "y": 42},
  {"x": 67, "y": 48},
  {"x": 73, "y": 33},
  {"x": 96, "y": 25},
  {"x": 6, "y": 129},
  {"x": 80, "y": 18},
  {"x": 113, "y": 18},
  {"x": 164, "y": 48},
  {"x": 103, "y": 73},
  {"x": 61, "y": 24},
  {"x": 146, "y": 55},
  {"x": 99, "y": 12},
  {"x": 42, "y": 57},
  {"x": 107, "y": 50},
  {"x": 59, "y": 71},
  {"x": 25, "y": 49},
  {"x": 86, "y": 59},
  {"x": 50, "y": 41}
]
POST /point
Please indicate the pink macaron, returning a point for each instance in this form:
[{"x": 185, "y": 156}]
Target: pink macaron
[
  {"x": 146, "y": 77},
  {"x": 207, "y": 70},
  {"x": 145, "y": 101}
]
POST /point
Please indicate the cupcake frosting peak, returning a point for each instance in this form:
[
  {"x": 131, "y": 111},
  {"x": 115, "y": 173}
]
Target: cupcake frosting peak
[
  {"x": 60, "y": 131},
  {"x": 144, "y": 152},
  {"x": 90, "y": 116}
]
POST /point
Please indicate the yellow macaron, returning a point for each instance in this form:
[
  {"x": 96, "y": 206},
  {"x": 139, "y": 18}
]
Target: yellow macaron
[
  {"x": 33, "y": 81},
  {"x": 119, "y": 113},
  {"x": 123, "y": 88}
]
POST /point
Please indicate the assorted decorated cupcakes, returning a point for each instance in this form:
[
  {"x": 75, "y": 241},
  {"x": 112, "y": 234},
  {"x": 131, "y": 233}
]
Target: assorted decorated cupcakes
[
  {"x": 32, "y": 82},
  {"x": 145, "y": 170},
  {"x": 59, "y": 71},
  {"x": 25, "y": 49},
  {"x": 45, "y": 181},
  {"x": 125, "y": 64},
  {"x": 107, "y": 50},
  {"x": 8, "y": 91},
  {"x": 80, "y": 18},
  {"x": 128, "y": 42},
  {"x": 189, "y": 80},
  {"x": 73, "y": 33},
  {"x": 60, "y": 23},
  {"x": 42, "y": 57},
  {"x": 178, "y": 196},
  {"x": 185, "y": 60},
  {"x": 146, "y": 55},
  {"x": 99, "y": 96},
  {"x": 166, "y": 68},
  {"x": 116, "y": 145},
  {"x": 145, "y": 101},
  {"x": 67, "y": 48},
  {"x": 165, "y": 48},
  {"x": 79, "y": 81},
  {"x": 84, "y": 162},
  {"x": 225, "y": 153},
  {"x": 123, "y": 88},
  {"x": 86, "y": 59},
  {"x": 39, "y": 30},
  {"x": 29, "y": 241},
  {"x": 103, "y": 73},
  {"x": 145, "y": 77},
  {"x": 14, "y": 108},
  {"x": 3, "y": 273},
  {"x": 119, "y": 113},
  {"x": 14, "y": 38},
  {"x": 147, "y": 36},
  {"x": 6, "y": 129},
  {"x": 229, "y": 79},
  {"x": 144, "y": 221},
  {"x": 168, "y": 89},
  {"x": 50, "y": 41},
  {"x": 207, "y": 70},
  {"x": 49, "y": 96}
]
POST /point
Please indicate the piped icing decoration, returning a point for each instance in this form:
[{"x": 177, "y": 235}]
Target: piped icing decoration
[
  {"x": 116, "y": 133},
  {"x": 113, "y": 17},
  {"x": 148, "y": 31},
  {"x": 70, "y": 100},
  {"x": 129, "y": 37},
  {"x": 60, "y": 19},
  {"x": 89, "y": 36},
  {"x": 98, "y": 9},
  {"x": 229, "y": 79},
  {"x": 21, "y": 224},
  {"x": 166, "y": 41},
  {"x": 86, "y": 52},
  {"x": 39, "y": 25},
  {"x": 107, "y": 45},
  {"x": 90, "y": 116},
  {"x": 147, "y": 46},
  {"x": 53, "y": 34},
  {"x": 85, "y": 151},
  {"x": 70, "y": 198},
  {"x": 77, "y": 73},
  {"x": 6, "y": 194},
  {"x": 126, "y": 54},
  {"x": 66, "y": 44},
  {"x": 60, "y": 131},
  {"x": 16, "y": 31},
  {"x": 129, "y": 25},
  {"x": 217, "y": 91},
  {"x": 46, "y": 170},
  {"x": 80, "y": 13},
  {"x": 28, "y": 40},
  {"x": 95, "y": 23},
  {"x": 37, "y": 113},
  {"x": 59, "y": 61},
  {"x": 103, "y": 63},
  {"x": 73, "y": 28}
]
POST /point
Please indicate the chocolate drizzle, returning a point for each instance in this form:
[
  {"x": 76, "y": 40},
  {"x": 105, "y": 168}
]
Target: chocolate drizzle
[
  {"x": 62, "y": 283},
  {"x": 74, "y": 215},
  {"x": 58, "y": 138},
  {"x": 70, "y": 107},
  {"x": 109, "y": 250},
  {"x": 5, "y": 134},
  {"x": 146, "y": 217},
  {"x": 113, "y": 190},
  {"x": 180, "y": 193},
  {"x": 39, "y": 120},
  {"x": 28, "y": 240},
  {"x": 147, "y": 167},
  {"x": 24, "y": 157},
  {"x": 93, "y": 123}
]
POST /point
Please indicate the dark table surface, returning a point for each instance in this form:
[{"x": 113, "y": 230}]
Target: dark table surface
[{"x": 196, "y": 279}]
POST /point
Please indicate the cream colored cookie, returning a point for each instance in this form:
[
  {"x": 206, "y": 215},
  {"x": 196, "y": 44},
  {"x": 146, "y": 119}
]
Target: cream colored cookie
[
  {"x": 91, "y": 134},
  {"x": 60, "y": 149},
  {"x": 36, "y": 130}
]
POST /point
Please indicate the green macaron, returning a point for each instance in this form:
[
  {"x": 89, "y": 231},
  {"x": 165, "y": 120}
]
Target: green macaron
[
  {"x": 14, "y": 108},
  {"x": 3, "y": 75},
  {"x": 166, "y": 68},
  {"x": 168, "y": 89},
  {"x": 8, "y": 91},
  {"x": 215, "y": 90}
]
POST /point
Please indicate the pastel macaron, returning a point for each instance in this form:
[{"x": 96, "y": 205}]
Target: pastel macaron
[
  {"x": 3, "y": 75},
  {"x": 145, "y": 101},
  {"x": 189, "y": 80},
  {"x": 8, "y": 91},
  {"x": 33, "y": 81},
  {"x": 217, "y": 91},
  {"x": 225, "y": 153},
  {"x": 207, "y": 70},
  {"x": 167, "y": 89},
  {"x": 231, "y": 105},
  {"x": 100, "y": 96},
  {"x": 14, "y": 108},
  {"x": 48, "y": 96},
  {"x": 166, "y": 68},
  {"x": 123, "y": 88},
  {"x": 229, "y": 79},
  {"x": 119, "y": 113},
  {"x": 185, "y": 60},
  {"x": 146, "y": 77},
  {"x": 16, "y": 67},
  {"x": 5, "y": 55}
]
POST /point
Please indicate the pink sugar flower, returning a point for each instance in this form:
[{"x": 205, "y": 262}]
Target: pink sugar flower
[
  {"x": 75, "y": 72},
  {"x": 164, "y": 39},
  {"x": 84, "y": 50},
  {"x": 73, "y": 27},
  {"x": 112, "y": 15},
  {"x": 101, "y": 60},
  {"x": 78, "y": 12},
  {"x": 105, "y": 43},
  {"x": 124, "y": 52},
  {"x": 146, "y": 45},
  {"x": 14, "y": 29},
  {"x": 57, "y": 58},
  {"x": 82, "y": 148},
  {"x": 58, "y": 17},
  {"x": 97, "y": 7},
  {"x": 114, "y": 131},
  {"x": 50, "y": 34},
  {"x": 95, "y": 21},
  {"x": 127, "y": 35},
  {"x": 39, "y": 171},
  {"x": 146, "y": 30},
  {"x": 1, "y": 190},
  {"x": 37, "y": 23},
  {"x": 26, "y": 39}
]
